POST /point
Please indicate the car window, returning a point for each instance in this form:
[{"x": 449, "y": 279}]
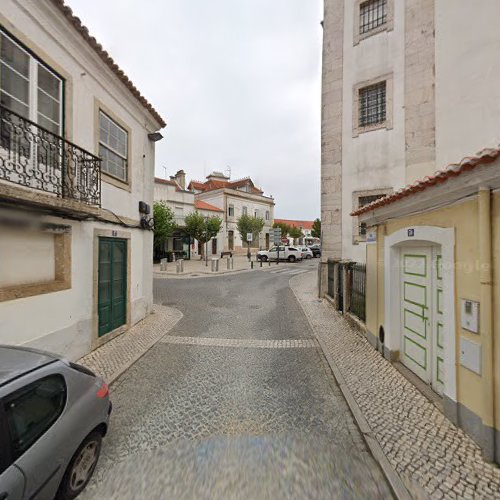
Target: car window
[
  {"x": 292, "y": 249},
  {"x": 273, "y": 249},
  {"x": 32, "y": 410},
  {"x": 282, "y": 249}
]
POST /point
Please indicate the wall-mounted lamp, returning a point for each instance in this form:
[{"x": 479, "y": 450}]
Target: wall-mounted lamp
[{"x": 155, "y": 136}]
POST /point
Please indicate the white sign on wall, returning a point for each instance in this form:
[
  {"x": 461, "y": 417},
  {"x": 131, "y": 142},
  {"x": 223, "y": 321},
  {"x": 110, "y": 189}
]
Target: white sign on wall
[{"x": 249, "y": 237}]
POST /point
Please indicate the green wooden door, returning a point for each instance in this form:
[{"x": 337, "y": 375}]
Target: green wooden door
[{"x": 112, "y": 295}]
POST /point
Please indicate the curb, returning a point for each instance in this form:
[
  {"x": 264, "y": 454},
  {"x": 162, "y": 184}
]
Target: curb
[{"x": 395, "y": 483}]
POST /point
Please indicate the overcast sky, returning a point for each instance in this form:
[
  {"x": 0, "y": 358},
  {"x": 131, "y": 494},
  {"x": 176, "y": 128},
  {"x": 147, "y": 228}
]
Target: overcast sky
[{"x": 238, "y": 82}]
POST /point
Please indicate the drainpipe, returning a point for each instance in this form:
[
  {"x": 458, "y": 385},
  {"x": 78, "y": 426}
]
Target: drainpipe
[{"x": 486, "y": 321}]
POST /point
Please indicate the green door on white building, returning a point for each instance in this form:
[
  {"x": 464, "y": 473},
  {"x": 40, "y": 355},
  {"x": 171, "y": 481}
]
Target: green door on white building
[{"x": 422, "y": 314}]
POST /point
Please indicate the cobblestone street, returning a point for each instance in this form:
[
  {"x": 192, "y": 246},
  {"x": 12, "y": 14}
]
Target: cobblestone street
[
  {"x": 432, "y": 456},
  {"x": 235, "y": 401}
]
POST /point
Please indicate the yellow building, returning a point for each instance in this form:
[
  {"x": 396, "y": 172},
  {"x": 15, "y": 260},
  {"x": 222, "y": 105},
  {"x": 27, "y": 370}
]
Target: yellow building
[{"x": 433, "y": 288}]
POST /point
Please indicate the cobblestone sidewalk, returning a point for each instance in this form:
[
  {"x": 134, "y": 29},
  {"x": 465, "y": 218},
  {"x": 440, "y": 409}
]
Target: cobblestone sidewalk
[
  {"x": 421, "y": 444},
  {"x": 114, "y": 357}
]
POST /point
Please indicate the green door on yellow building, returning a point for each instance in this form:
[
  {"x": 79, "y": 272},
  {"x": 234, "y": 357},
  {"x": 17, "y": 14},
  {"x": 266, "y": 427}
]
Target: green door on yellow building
[
  {"x": 422, "y": 314},
  {"x": 112, "y": 278}
]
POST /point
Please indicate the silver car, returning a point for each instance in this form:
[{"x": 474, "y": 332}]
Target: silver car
[{"x": 53, "y": 416}]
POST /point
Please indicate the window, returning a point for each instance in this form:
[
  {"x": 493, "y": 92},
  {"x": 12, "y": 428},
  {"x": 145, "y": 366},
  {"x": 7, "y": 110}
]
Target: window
[
  {"x": 230, "y": 211},
  {"x": 372, "y": 104},
  {"x": 113, "y": 147},
  {"x": 244, "y": 211},
  {"x": 372, "y": 14},
  {"x": 32, "y": 410},
  {"x": 361, "y": 199},
  {"x": 256, "y": 213},
  {"x": 28, "y": 87},
  {"x": 267, "y": 214}
]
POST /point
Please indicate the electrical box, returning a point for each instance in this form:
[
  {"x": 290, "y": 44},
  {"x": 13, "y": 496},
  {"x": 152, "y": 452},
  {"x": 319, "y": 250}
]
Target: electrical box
[
  {"x": 470, "y": 315},
  {"x": 470, "y": 355}
]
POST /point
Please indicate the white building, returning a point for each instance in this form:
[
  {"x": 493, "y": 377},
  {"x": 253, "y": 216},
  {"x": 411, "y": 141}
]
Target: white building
[
  {"x": 236, "y": 198},
  {"x": 401, "y": 99},
  {"x": 182, "y": 202},
  {"x": 76, "y": 251}
]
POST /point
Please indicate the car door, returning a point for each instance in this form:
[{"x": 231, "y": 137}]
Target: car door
[
  {"x": 283, "y": 253},
  {"x": 31, "y": 412},
  {"x": 11, "y": 478},
  {"x": 273, "y": 253}
]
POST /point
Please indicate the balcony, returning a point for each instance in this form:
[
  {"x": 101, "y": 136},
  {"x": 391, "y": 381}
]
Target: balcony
[{"x": 51, "y": 170}]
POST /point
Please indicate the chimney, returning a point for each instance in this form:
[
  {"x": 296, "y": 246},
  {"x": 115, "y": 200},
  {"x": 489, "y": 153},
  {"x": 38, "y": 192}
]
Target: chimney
[{"x": 180, "y": 177}]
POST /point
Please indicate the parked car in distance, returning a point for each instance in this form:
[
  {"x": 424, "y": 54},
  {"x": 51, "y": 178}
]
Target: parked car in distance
[
  {"x": 316, "y": 250},
  {"x": 53, "y": 416},
  {"x": 290, "y": 254},
  {"x": 307, "y": 252}
]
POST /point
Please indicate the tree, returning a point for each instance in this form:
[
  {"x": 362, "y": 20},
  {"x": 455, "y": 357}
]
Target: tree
[
  {"x": 295, "y": 233},
  {"x": 316, "y": 229},
  {"x": 285, "y": 228},
  {"x": 202, "y": 228},
  {"x": 249, "y": 225},
  {"x": 164, "y": 225}
]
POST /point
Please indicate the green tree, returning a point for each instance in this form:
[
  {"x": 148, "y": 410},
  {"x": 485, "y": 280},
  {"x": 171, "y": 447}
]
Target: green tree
[
  {"x": 249, "y": 225},
  {"x": 316, "y": 229},
  {"x": 164, "y": 224},
  {"x": 295, "y": 233},
  {"x": 285, "y": 228},
  {"x": 202, "y": 228}
]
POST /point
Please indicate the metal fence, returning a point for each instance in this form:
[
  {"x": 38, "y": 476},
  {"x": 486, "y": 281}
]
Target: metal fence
[
  {"x": 357, "y": 299},
  {"x": 331, "y": 278}
]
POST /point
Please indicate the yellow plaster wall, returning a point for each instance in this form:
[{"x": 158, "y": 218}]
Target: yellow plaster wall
[
  {"x": 495, "y": 209},
  {"x": 463, "y": 217},
  {"x": 371, "y": 289}
]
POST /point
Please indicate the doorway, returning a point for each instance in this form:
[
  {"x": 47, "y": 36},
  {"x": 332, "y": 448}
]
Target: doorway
[
  {"x": 112, "y": 284},
  {"x": 422, "y": 323},
  {"x": 214, "y": 246}
]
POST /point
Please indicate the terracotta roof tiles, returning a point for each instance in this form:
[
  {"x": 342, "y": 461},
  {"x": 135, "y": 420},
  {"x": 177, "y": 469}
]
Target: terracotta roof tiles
[
  {"x": 202, "y": 205},
  {"x": 484, "y": 156}
]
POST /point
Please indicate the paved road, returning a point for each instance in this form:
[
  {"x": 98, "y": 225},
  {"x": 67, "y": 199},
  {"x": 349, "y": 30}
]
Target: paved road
[{"x": 236, "y": 401}]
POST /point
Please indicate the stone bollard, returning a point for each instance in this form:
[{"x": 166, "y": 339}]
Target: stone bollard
[
  {"x": 215, "y": 264},
  {"x": 181, "y": 262},
  {"x": 232, "y": 262},
  {"x": 228, "y": 264},
  {"x": 163, "y": 264},
  {"x": 178, "y": 267}
]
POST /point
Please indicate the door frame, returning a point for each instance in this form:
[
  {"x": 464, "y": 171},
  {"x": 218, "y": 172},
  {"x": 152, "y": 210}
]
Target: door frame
[
  {"x": 97, "y": 341},
  {"x": 422, "y": 236}
]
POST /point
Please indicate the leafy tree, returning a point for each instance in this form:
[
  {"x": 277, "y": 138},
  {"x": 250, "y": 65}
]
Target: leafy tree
[
  {"x": 164, "y": 224},
  {"x": 316, "y": 229},
  {"x": 202, "y": 228},
  {"x": 285, "y": 228},
  {"x": 247, "y": 225},
  {"x": 295, "y": 233}
]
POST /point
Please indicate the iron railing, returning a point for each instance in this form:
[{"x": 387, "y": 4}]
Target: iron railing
[
  {"x": 33, "y": 157},
  {"x": 357, "y": 289},
  {"x": 331, "y": 278}
]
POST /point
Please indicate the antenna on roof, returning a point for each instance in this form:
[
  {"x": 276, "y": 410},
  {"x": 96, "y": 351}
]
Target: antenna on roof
[
  {"x": 165, "y": 169},
  {"x": 228, "y": 171}
]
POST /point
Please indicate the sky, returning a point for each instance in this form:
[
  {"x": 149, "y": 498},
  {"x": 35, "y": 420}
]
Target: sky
[{"x": 238, "y": 82}]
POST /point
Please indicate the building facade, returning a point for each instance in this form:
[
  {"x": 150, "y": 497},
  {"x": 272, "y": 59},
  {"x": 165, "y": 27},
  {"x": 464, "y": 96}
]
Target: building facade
[
  {"x": 182, "y": 202},
  {"x": 236, "y": 198},
  {"x": 76, "y": 182},
  {"x": 305, "y": 226},
  {"x": 432, "y": 290},
  {"x": 398, "y": 102}
]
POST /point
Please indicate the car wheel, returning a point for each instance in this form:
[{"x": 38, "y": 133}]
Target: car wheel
[
  {"x": 292, "y": 258},
  {"x": 264, "y": 258},
  {"x": 81, "y": 467}
]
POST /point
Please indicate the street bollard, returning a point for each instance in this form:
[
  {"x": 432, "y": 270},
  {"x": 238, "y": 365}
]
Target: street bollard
[
  {"x": 251, "y": 264},
  {"x": 178, "y": 267},
  {"x": 181, "y": 262},
  {"x": 231, "y": 262},
  {"x": 163, "y": 264},
  {"x": 228, "y": 264},
  {"x": 215, "y": 264},
  {"x": 260, "y": 263}
]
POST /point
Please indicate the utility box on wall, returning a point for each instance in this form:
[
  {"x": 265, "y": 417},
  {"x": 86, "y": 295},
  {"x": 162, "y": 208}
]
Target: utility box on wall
[
  {"x": 469, "y": 310},
  {"x": 470, "y": 355}
]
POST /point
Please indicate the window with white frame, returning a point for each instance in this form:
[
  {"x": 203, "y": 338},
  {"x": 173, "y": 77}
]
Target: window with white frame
[
  {"x": 267, "y": 214},
  {"x": 29, "y": 87},
  {"x": 256, "y": 213},
  {"x": 244, "y": 210},
  {"x": 113, "y": 147},
  {"x": 230, "y": 211},
  {"x": 372, "y": 15},
  {"x": 372, "y": 104}
]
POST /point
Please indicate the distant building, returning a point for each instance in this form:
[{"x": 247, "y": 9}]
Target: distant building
[
  {"x": 305, "y": 226},
  {"x": 182, "y": 202},
  {"x": 236, "y": 198}
]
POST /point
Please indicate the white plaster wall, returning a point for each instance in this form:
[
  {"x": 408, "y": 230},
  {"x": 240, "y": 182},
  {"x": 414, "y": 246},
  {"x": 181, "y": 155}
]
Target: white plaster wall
[
  {"x": 375, "y": 159},
  {"x": 467, "y": 78},
  {"x": 62, "y": 321}
]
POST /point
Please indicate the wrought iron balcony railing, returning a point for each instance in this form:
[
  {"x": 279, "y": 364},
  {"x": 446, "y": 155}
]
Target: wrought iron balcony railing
[{"x": 33, "y": 157}]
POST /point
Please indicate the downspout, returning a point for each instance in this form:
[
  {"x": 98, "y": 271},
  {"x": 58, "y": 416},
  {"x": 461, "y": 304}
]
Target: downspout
[{"x": 486, "y": 321}]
